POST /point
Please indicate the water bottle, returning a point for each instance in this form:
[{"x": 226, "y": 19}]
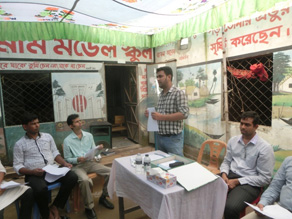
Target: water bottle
[
  {"x": 138, "y": 163},
  {"x": 147, "y": 163}
]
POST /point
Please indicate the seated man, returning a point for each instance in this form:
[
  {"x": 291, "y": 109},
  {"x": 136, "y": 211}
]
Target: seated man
[
  {"x": 247, "y": 166},
  {"x": 34, "y": 151},
  {"x": 76, "y": 145},
  {"x": 279, "y": 190},
  {"x": 23, "y": 193}
]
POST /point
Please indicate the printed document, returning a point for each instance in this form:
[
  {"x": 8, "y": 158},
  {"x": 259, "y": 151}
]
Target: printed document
[
  {"x": 53, "y": 173},
  {"x": 192, "y": 176},
  {"x": 91, "y": 153},
  {"x": 152, "y": 125},
  {"x": 9, "y": 185},
  {"x": 273, "y": 211}
]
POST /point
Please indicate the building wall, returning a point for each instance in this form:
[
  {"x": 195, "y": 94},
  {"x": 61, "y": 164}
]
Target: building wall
[
  {"x": 78, "y": 85},
  {"x": 266, "y": 33}
]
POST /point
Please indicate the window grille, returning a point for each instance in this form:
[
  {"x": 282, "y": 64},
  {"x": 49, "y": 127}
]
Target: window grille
[
  {"x": 250, "y": 94},
  {"x": 27, "y": 92}
]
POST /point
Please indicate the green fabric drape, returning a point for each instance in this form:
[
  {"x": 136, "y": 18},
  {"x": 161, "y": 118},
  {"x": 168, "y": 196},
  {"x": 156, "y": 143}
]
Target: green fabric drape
[{"x": 216, "y": 17}]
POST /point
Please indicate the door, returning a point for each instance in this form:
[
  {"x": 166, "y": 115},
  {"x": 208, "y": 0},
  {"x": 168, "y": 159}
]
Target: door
[{"x": 130, "y": 89}]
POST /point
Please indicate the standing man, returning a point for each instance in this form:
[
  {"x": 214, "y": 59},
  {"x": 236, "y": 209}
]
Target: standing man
[
  {"x": 23, "y": 193},
  {"x": 34, "y": 151},
  {"x": 76, "y": 145},
  {"x": 247, "y": 166},
  {"x": 279, "y": 190},
  {"x": 172, "y": 109}
]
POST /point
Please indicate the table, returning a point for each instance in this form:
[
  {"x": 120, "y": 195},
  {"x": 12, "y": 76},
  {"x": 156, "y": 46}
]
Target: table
[{"x": 206, "y": 202}]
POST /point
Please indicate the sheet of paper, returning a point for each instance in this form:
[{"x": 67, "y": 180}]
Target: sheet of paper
[
  {"x": 91, "y": 153},
  {"x": 273, "y": 211},
  {"x": 165, "y": 165},
  {"x": 152, "y": 125},
  {"x": 9, "y": 185},
  {"x": 53, "y": 173},
  {"x": 192, "y": 176}
]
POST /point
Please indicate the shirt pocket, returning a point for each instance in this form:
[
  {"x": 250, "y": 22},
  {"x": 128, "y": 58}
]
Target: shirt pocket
[{"x": 251, "y": 161}]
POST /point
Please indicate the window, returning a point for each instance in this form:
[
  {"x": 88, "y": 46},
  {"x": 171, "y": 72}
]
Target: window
[
  {"x": 27, "y": 92},
  {"x": 250, "y": 94}
]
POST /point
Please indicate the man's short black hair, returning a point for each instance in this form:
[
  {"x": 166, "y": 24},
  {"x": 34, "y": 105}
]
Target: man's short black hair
[
  {"x": 253, "y": 115},
  {"x": 28, "y": 117},
  {"x": 71, "y": 118},
  {"x": 167, "y": 70}
]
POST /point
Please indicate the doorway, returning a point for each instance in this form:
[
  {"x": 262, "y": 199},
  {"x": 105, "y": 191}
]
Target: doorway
[{"x": 121, "y": 96}]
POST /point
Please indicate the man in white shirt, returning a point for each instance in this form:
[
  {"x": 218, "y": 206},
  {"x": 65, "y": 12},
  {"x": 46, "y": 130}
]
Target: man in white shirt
[
  {"x": 34, "y": 151},
  {"x": 247, "y": 166}
]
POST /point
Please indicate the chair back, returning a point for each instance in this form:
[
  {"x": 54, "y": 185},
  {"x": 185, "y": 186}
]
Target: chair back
[
  {"x": 216, "y": 146},
  {"x": 119, "y": 120}
]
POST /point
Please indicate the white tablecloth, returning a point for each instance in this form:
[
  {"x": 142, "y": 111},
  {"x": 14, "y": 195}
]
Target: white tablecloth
[{"x": 206, "y": 202}]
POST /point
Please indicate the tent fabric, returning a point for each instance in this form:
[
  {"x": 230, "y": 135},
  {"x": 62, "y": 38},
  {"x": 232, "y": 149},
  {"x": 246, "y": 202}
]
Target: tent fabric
[{"x": 107, "y": 33}]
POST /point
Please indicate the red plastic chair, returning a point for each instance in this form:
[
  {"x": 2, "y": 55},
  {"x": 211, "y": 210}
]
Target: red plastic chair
[{"x": 216, "y": 146}]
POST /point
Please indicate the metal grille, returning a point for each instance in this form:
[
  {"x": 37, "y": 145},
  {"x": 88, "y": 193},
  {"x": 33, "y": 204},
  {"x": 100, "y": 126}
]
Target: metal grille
[
  {"x": 27, "y": 92},
  {"x": 250, "y": 94}
]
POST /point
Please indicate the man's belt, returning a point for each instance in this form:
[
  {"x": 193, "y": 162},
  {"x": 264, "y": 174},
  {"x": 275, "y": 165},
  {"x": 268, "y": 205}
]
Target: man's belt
[{"x": 166, "y": 135}]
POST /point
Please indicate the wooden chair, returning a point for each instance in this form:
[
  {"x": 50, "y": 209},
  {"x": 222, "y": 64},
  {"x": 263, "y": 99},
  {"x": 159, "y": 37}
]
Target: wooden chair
[
  {"x": 118, "y": 126},
  {"x": 216, "y": 146},
  {"x": 76, "y": 190}
]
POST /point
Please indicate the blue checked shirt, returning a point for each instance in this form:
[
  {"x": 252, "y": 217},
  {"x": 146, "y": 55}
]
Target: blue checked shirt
[{"x": 172, "y": 102}]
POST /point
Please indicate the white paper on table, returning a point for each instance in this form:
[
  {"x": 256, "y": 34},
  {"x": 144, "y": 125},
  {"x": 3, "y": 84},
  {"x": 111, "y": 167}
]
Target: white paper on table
[
  {"x": 91, "y": 153},
  {"x": 192, "y": 176},
  {"x": 9, "y": 185},
  {"x": 53, "y": 173},
  {"x": 165, "y": 165},
  {"x": 273, "y": 211},
  {"x": 152, "y": 125}
]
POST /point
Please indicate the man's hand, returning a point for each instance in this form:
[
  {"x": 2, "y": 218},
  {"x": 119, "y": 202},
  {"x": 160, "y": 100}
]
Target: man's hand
[
  {"x": 81, "y": 159},
  {"x": 38, "y": 172},
  {"x": 146, "y": 113},
  {"x": 156, "y": 116},
  {"x": 225, "y": 178},
  {"x": 261, "y": 207},
  {"x": 100, "y": 147},
  {"x": 232, "y": 183},
  {"x": 2, "y": 191},
  {"x": 67, "y": 165}
]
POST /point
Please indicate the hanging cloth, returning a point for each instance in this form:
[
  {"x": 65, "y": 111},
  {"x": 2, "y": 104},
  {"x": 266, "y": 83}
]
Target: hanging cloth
[
  {"x": 259, "y": 71},
  {"x": 256, "y": 71}
]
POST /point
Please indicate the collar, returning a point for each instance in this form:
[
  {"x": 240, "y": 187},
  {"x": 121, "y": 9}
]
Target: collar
[
  {"x": 27, "y": 137},
  {"x": 253, "y": 140},
  {"x": 75, "y": 136},
  {"x": 169, "y": 91}
]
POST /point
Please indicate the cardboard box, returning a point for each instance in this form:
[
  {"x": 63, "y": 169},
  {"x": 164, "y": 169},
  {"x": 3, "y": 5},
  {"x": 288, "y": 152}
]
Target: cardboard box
[
  {"x": 164, "y": 162},
  {"x": 168, "y": 181}
]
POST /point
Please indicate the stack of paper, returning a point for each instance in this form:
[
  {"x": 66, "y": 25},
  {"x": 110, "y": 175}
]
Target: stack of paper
[
  {"x": 192, "y": 176},
  {"x": 53, "y": 173},
  {"x": 91, "y": 153},
  {"x": 273, "y": 211},
  {"x": 9, "y": 185}
]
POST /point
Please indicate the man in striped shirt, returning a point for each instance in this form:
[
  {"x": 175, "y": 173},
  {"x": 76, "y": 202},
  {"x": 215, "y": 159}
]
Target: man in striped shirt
[{"x": 171, "y": 110}]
